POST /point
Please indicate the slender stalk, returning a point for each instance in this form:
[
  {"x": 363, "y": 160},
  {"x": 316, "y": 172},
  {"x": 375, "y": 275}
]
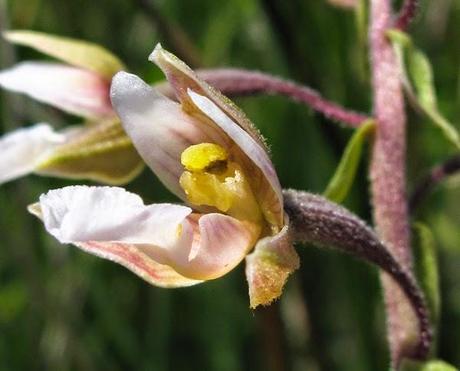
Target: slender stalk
[
  {"x": 388, "y": 180},
  {"x": 238, "y": 82},
  {"x": 407, "y": 14},
  {"x": 242, "y": 82},
  {"x": 316, "y": 220},
  {"x": 436, "y": 175}
]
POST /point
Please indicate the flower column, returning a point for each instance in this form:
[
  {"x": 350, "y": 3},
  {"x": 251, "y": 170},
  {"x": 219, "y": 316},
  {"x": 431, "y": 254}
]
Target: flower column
[{"x": 388, "y": 177}]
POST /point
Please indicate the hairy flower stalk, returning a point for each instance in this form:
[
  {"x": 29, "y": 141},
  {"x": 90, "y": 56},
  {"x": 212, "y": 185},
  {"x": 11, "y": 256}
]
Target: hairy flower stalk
[
  {"x": 239, "y": 82},
  {"x": 316, "y": 220},
  {"x": 388, "y": 180}
]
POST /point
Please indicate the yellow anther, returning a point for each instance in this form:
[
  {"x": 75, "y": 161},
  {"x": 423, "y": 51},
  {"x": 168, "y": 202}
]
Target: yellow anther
[{"x": 202, "y": 156}]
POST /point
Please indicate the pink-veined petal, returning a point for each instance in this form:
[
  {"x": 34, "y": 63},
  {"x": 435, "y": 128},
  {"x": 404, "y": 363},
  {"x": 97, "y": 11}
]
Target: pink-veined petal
[
  {"x": 268, "y": 267},
  {"x": 270, "y": 197},
  {"x": 105, "y": 220},
  {"x": 131, "y": 257},
  {"x": 158, "y": 127},
  {"x": 74, "y": 90},
  {"x": 220, "y": 243},
  {"x": 22, "y": 149},
  {"x": 114, "y": 224}
]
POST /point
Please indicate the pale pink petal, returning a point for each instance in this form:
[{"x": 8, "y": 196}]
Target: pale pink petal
[
  {"x": 74, "y": 90},
  {"x": 102, "y": 220},
  {"x": 220, "y": 243},
  {"x": 268, "y": 267},
  {"x": 22, "y": 149},
  {"x": 131, "y": 257},
  {"x": 158, "y": 127},
  {"x": 250, "y": 147}
]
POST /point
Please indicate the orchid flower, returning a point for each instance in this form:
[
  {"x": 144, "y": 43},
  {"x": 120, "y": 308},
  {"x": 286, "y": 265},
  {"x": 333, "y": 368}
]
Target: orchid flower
[
  {"x": 206, "y": 151},
  {"x": 80, "y": 87}
]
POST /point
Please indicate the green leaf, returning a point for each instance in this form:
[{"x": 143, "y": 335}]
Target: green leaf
[
  {"x": 432, "y": 365},
  {"x": 422, "y": 76},
  {"x": 399, "y": 38},
  {"x": 100, "y": 152},
  {"x": 426, "y": 267},
  {"x": 13, "y": 297},
  {"x": 419, "y": 82},
  {"x": 361, "y": 19},
  {"x": 343, "y": 178},
  {"x": 75, "y": 52}
]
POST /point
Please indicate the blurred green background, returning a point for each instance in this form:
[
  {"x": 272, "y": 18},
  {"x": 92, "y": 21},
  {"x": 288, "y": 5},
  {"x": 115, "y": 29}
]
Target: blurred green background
[{"x": 63, "y": 310}]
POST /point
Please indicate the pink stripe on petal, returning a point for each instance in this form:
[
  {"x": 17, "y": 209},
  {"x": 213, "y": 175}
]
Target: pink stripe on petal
[
  {"x": 135, "y": 260},
  {"x": 158, "y": 127},
  {"x": 74, "y": 90}
]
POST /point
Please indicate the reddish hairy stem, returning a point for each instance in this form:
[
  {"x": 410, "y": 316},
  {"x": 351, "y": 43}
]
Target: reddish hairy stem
[
  {"x": 407, "y": 14},
  {"x": 238, "y": 82},
  {"x": 388, "y": 183},
  {"x": 388, "y": 162}
]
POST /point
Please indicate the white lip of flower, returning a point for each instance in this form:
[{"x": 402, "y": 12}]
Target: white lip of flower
[{"x": 202, "y": 148}]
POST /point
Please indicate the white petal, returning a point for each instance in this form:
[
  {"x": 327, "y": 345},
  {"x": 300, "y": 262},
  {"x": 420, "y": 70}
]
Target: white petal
[
  {"x": 244, "y": 141},
  {"x": 114, "y": 224},
  {"x": 22, "y": 149},
  {"x": 80, "y": 214},
  {"x": 158, "y": 127},
  {"x": 74, "y": 90},
  {"x": 105, "y": 219}
]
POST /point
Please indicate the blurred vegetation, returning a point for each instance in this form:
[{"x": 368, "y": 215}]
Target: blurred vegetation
[{"x": 63, "y": 310}]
